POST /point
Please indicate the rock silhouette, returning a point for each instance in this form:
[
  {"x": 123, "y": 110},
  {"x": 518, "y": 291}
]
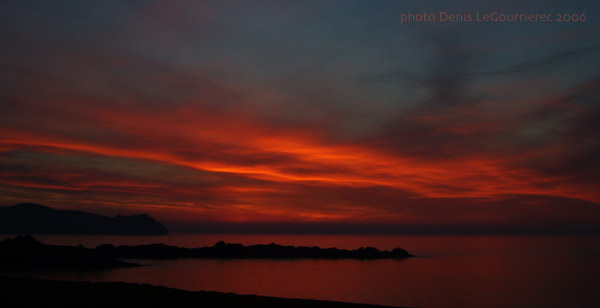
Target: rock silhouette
[
  {"x": 31, "y": 218},
  {"x": 25, "y": 252},
  {"x": 222, "y": 250}
]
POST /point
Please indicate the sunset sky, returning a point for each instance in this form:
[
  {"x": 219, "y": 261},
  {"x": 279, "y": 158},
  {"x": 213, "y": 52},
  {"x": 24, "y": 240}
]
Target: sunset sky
[{"x": 303, "y": 115}]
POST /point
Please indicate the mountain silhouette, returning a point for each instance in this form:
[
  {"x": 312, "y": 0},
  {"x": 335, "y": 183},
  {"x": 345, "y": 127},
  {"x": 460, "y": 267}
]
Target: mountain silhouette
[{"x": 31, "y": 218}]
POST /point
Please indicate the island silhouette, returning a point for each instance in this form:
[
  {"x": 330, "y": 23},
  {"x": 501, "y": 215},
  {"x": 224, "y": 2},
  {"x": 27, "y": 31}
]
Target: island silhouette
[
  {"x": 25, "y": 252},
  {"x": 32, "y": 218},
  {"x": 222, "y": 250}
]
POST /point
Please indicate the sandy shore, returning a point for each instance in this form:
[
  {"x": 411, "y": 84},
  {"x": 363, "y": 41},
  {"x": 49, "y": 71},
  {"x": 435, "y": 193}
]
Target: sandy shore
[{"x": 28, "y": 292}]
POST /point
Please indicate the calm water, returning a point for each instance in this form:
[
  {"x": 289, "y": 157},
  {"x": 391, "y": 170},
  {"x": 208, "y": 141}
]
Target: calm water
[{"x": 452, "y": 271}]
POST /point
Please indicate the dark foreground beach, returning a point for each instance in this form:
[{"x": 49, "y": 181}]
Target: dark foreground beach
[{"x": 29, "y": 292}]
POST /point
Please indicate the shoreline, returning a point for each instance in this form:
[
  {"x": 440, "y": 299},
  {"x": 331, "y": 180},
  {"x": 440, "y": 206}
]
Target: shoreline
[{"x": 34, "y": 292}]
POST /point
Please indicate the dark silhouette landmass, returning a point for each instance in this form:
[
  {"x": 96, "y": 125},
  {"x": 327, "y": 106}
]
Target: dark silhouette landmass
[
  {"x": 31, "y": 218},
  {"x": 27, "y": 292},
  {"x": 222, "y": 250},
  {"x": 26, "y": 253}
]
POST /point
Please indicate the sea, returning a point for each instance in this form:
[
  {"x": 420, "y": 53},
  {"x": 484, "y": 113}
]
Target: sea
[{"x": 448, "y": 270}]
